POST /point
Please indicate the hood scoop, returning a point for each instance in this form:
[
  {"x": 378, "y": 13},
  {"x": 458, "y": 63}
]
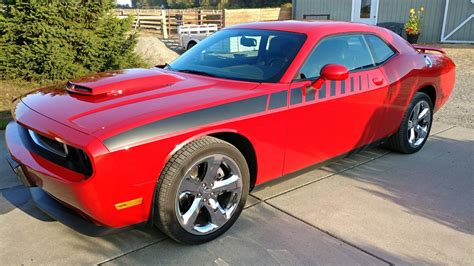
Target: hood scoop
[{"x": 121, "y": 82}]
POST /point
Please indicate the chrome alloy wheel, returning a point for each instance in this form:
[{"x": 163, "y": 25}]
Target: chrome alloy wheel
[
  {"x": 419, "y": 123},
  {"x": 208, "y": 194}
]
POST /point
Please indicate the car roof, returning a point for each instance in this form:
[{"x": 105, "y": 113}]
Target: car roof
[{"x": 307, "y": 26}]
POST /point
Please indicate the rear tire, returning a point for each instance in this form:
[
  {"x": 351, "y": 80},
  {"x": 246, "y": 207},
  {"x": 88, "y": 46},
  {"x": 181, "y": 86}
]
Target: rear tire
[
  {"x": 201, "y": 191},
  {"x": 415, "y": 127}
]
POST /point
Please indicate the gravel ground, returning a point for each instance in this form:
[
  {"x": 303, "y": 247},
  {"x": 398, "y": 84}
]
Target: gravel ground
[
  {"x": 459, "y": 109},
  {"x": 153, "y": 51}
]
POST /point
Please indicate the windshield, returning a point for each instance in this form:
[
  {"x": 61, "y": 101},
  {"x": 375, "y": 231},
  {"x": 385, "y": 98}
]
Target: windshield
[{"x": 242, "y": 54}]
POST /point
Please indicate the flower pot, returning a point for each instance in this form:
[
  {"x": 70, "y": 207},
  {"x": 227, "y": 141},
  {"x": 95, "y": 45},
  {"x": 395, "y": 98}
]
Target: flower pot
[{"x": 412, "y": 38}]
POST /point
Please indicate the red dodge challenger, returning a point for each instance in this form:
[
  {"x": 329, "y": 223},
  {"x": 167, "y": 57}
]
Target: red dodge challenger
[{"x": 180, "y": 147}]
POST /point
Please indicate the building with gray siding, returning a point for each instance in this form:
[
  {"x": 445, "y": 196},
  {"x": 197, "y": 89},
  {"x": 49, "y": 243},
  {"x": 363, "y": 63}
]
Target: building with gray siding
[{"x": 450, "y": 21}]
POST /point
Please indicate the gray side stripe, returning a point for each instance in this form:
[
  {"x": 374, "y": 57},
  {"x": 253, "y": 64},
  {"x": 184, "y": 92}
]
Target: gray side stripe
[
  {"x": 187, "y": 121},
  {"x": 278, "y": 99},
  {"x": 310, "y": 93},
  {"x": 322, "y": 92},
  {"x": 333, "y": 88},
  {"x": 296, "y": 96}
]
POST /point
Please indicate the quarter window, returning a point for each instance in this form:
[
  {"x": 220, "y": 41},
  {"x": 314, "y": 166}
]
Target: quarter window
[
  {"x": 381, "y": 51},
  {"x": 350, "y": 51}
]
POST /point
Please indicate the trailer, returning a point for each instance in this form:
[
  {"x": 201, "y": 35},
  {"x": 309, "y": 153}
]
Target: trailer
[{"x": 190, "y": 35}]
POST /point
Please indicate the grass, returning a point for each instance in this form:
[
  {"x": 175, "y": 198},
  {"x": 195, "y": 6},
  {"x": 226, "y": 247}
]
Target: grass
[
  {"x": 9, "y": 90},
  {"x": 3, "y": 124}
]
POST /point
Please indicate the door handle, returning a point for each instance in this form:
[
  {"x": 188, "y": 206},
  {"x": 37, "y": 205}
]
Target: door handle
[{"x": 378, "y": 80}]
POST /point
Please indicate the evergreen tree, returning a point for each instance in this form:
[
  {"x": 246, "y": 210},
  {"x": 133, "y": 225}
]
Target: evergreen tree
[
  {"x": 61, "y": 39},
  {"x": 149, "y": 3}
]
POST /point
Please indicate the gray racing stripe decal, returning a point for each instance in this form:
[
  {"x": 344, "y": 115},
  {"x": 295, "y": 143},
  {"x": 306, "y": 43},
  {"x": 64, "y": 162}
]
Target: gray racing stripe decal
[
  {"x": 368, "y": 83},
  {"x": 310, "y": 93},
  {"x": 322, "y": 91},
  {"x": 278, "y": 99},
  {"x": 333, "y": 88},
  {"x": 187, "y": 121},
  {"x": 296, "y": 96}
]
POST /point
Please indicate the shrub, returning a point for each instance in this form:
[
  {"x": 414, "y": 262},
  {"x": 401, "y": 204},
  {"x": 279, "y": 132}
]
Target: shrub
[{"x": 56, "y": 40}]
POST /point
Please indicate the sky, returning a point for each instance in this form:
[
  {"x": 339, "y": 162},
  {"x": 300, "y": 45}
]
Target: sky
[{"x": 124, "y": 2}]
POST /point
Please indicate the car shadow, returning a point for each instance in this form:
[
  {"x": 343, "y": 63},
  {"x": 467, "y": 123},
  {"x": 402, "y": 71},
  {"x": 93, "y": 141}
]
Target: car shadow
[
  {"x": 18, "y": 197},
  {"x": 440, "y": 186},
  {"x": 429, "y": 191}
]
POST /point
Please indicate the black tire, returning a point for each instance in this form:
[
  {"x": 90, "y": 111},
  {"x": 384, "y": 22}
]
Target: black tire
[
  {"x": 190, "y": 45},
  {"x": 170, "y": 179},
  {"x": 400, "y": 141}
]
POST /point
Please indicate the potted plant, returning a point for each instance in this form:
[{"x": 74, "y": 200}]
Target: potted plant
[{"x": 414, "y": 24}]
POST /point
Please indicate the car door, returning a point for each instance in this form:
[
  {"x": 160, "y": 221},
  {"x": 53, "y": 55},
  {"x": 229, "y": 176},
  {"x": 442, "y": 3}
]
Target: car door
[
  {"x": 395, "y": 69},
  {"x": 341, "y": 115}
]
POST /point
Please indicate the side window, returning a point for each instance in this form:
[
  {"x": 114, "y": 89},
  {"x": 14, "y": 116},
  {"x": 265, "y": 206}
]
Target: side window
[
  {"x": 381, "y": 51},
  {"x": 350, "y": 51}
]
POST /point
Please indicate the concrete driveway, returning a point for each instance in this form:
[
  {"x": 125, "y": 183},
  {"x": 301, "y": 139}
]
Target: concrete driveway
[{"x": 376, "y": 207}]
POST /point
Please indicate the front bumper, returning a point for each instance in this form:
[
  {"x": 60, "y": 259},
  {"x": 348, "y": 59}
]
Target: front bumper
[
  {"x": 56, "y": 210},
  {"x": 92, "y": 199},
  {"x": 16, "y": 168},
  {"x": 68, "y": 217}
]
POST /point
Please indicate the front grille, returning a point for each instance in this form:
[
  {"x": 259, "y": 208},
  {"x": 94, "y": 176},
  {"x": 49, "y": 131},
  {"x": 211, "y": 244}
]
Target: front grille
[{"x": 57, "y": 152}]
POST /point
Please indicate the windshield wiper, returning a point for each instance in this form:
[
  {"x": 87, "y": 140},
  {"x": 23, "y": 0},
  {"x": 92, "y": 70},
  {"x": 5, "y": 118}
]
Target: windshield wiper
[{"x": 191, "y": 71}]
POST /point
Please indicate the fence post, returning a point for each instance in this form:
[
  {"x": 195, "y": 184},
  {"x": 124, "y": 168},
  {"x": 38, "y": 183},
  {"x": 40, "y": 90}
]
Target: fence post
[
  {"x": 199, "y": 17},
  {"x": 164, "y": 26},
  {"x": 223, "y": 18}
]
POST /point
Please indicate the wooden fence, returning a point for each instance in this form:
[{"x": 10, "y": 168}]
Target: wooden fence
[
  {"x": 237, "y": 16},
  {"x": 166, "y": 21}
]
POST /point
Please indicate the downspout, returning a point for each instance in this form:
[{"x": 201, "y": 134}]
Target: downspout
[{"x": 293, "y": 9}]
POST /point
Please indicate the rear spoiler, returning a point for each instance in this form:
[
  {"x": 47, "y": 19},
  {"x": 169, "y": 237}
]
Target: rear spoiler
[{"x": 423, "y": 49}]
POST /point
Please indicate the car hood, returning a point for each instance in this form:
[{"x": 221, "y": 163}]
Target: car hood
[{"x": 107, "y": 103}]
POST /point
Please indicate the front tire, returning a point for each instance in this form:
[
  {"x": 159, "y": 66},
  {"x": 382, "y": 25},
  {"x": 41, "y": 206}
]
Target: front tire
[
  {"x": 201, "y": 191},
  {"x": 415, "y": 127}
]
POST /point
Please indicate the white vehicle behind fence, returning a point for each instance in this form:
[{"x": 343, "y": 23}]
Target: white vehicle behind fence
[{"x": 190, "y": 35}]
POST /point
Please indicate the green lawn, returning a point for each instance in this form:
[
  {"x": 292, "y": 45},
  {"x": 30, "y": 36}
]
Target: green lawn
[
  {"x": 3, "y": 124},
  {"x": 9, "y": 90}
]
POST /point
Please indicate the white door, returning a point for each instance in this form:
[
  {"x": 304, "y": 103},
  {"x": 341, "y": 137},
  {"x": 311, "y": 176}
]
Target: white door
[{"x": 365, "y": 11}]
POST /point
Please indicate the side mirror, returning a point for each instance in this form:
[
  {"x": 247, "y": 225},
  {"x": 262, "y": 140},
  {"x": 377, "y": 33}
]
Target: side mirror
[{"x": 330, "y": 72}]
